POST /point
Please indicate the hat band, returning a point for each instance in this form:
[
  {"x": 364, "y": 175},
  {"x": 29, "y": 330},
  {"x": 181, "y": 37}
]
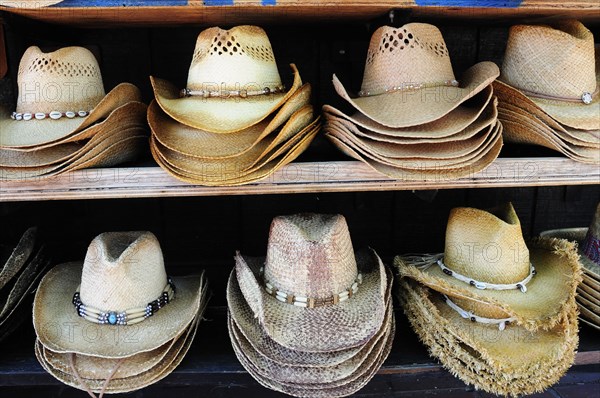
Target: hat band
[
  {"x": 522, "y": 285},
  {"x": 409, "y": 87},
  {"x": 586, "y": 98},
  {"x": 309, "y": 302},
  {"x": 127, "y": 317},
  {"x": 230, "y": 93},
  {"x": 591, "y": 247},
  {"x": 54, "y": 115},
  {"x": 474, "y": 318}
]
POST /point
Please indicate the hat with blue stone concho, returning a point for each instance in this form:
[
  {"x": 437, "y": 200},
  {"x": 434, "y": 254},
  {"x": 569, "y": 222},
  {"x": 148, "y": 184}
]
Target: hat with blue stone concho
[{"x": 118, "y": 303}]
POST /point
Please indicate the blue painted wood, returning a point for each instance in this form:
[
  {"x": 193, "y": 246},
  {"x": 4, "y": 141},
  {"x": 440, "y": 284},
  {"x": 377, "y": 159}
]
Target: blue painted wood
[
  {"x": 470, "y": 3},
  {"x": 269, "y": 2},
  {"x": 218, "y": 2}
]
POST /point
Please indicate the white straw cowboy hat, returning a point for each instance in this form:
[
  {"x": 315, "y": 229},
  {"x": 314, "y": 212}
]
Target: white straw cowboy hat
[
  {"x": 556, "y": 69},
  {"x": 28, "y": 3},
  {"x": 60, "y": 93},
  {"x": 311, "y": 293},
  {"x": 121, "y": 287},
  {"x": 487, "y": 261},
  {"x": 233, "y": 82},
  {"x": 408, "y": 78}
]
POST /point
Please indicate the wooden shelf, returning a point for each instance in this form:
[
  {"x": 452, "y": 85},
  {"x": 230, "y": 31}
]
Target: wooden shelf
[
  {"x": 348, "y": 176},
  {"x": 210, "y": 12}
]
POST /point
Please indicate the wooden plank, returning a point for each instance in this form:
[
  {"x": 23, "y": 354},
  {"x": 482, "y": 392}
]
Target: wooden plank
[{"x": 341, "y": 176}]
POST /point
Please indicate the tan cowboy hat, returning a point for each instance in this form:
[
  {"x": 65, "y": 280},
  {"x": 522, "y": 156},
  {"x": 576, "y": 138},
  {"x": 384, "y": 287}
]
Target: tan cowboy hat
[
  {"x": 314, "y": 242},
  {"x": 60, "y": 93},
  {"x": 122, "y": 283},
  {"x": 233, "y": 82},
  {"x": 487, "y": 261},
  {"x": 408, "y": 77},
  {"x": 555, "y": 68},
  {"x": 484, "y": 356}
]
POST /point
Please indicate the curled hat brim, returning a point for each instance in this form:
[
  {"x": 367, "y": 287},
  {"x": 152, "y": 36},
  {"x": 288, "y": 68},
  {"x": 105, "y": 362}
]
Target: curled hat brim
[
  {"x": 411, "y": 108},
  {"x": 576, "y": 235},
  {"x": 557, "y": 275},
  {"x": 18, "y": 256},
  {"x": 60, "y": 329},
  {"x": 219, "y": 115},
  {"x": 347, "y": 324},
  {"x": 31, "y": 133}
]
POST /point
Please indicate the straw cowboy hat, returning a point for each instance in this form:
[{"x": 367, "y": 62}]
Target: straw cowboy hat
[
  {"x": 555, "y": 69},
  {"x": 233, "y": 82},
  {"x": 121, "y": 286},
  {"x": 408, "y": 78},
  {"x": 60, "y": 93},
  {"x": 328, "y": 300},
  {"x": 487, "y": 261},
  {"x": 28, "y": 3}
]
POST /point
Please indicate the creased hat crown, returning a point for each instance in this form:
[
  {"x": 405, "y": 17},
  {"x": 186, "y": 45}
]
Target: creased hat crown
[
  {"x": 412, "y": 54},
  {"x": 551, "y": 61},
  {"x": 122, "y": 271},
  {"x": 66, "y": 80},
  {"x": 239, "y": 58},
  {"x": 486, "y": 247},
  {"x": 310, "y": 255}
]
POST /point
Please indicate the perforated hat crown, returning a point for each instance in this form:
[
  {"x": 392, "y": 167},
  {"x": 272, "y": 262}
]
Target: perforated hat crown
[
  {"x": 66, "y": 80},
  {"x": 486, "y": 246},
  {"x": 122, "y": 270},
  {"x": 310, "y": 255},
  {"x": 239, "y": 58},
  {"x": 551, "y": 61},
  {"x": 412, "y": 54}
]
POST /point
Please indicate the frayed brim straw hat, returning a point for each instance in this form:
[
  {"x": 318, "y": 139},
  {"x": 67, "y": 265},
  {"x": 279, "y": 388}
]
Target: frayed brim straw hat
[
  {"x": 487, "y": 261},
  {"x": 556, "y": 70},
  {"x": 233, "y": 82},
  {"x": 123, "y": 271},
  {"x": 481, "y": 355},
  {"x": 408, "y": 78}
]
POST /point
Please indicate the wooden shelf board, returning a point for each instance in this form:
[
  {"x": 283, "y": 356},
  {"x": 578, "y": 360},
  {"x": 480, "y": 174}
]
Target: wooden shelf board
[
  {"x": 165, "y": 12},
  {"x": 340, "y": 176}
]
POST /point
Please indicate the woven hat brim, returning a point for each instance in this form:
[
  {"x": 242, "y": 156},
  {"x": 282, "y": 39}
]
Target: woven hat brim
[
  {"x": 18, "y": 257},
  {"x": 482, "y": 355},
  {"x": 219, "y": 115},
  {"x": 576, "y": 235},
  {"x": 35, "y": 132},
  {"x": 588, "y": 323},
  {"x": 43, "y": 157},
  {"x": 329, "y": 328},
  {"x": 588, "y": 297},
  {"x": 454, "y": 122},
  {"x": 589, "y": 290},
  {"x": 53, "y": 309},
  {"x": 412, "y": 108},
  {"x": 593, "y": 310},
  {"x": 557, "y": 275},
  {"x": 29, "y": 4},
  {"x": 207, "y": 145}
]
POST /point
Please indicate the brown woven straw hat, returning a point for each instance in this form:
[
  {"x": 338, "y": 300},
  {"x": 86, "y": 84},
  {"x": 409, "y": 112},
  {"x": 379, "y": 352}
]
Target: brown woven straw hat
[
  {"x": 310, "y": 262},
  {"x": 556, "y": 69},
  {"x": 123, "y": 273},
  {"x": 408, "y": 77},
  {"x": 233, "y": 82},
  {"x": 486, "y": 260},
  {"x": 484, "y": 356},
  {"x": 60, "y": 93}
]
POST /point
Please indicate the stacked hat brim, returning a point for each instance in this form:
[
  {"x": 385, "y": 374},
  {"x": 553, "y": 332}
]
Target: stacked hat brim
[
  {"x": 121, "y": 358},
  {"x": 22, "y": 267},
  {"x": 588, "y": 291},
  {"x": 112, "y": 133},
  {"x": 319, "y": 352}
]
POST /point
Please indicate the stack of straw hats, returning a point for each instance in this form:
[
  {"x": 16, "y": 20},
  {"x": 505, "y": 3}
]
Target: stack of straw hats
[
  {"x": 414, "y": 120},
  {"x": 588, "y": 291},
  {"x": 548, "y": 90},
  {"x": 234, "y": 123},
  {"x": 22, "y": 266},
  {"x": 499, "y": 314},
  {"x": 64, "y": 121},
  {"x": 117, "y": 322},
  {"x": 312, "y": 319}
]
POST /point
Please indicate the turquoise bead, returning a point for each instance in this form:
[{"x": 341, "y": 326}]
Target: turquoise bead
[{"x": 112, "y": 318}]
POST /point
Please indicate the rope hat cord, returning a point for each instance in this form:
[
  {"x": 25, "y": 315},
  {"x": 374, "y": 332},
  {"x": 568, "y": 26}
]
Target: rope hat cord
[
  {"x": 474, "y": 318},
  {"x": 230, "y": 93},
  {"x": 586, "y": 97},
  {"x": 409, "y": 86},
  {"x": 84, "y": 384}
]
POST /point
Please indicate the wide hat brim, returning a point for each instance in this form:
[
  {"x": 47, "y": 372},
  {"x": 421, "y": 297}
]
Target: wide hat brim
[
  {"x": 19, "y": 134},
  {"x": 557, "y": 275},
  {"x": 18, "y": 256},
  {"x": 53, "y": 311},
  {"x": 219, "y": 115},
  {"x": 411, "y": 108},
  {"x": 28, "y": 4},
  {"x": 576, "y": 235},
  {"x": 347, "y": 324},
  {"x": 484, "y": 356}
]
